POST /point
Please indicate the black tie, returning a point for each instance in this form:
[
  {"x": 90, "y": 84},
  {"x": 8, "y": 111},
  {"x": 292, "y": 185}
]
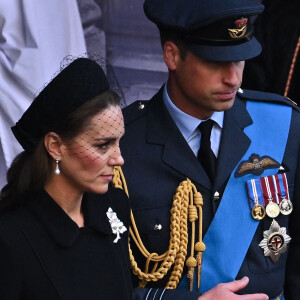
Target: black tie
[{"x": 205, "y": 155}]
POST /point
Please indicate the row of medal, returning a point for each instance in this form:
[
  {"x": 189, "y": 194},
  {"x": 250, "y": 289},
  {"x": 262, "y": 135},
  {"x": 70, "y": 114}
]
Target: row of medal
[{"x": 269, "y": 196}]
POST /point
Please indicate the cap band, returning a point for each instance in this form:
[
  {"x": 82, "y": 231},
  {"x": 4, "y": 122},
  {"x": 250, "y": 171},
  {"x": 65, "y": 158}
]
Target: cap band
[{"x": 221, "y": 34}]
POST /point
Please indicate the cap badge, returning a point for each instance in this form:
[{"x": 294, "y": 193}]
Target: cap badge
[
  {"x": 256, "y": 165},
  {"x": 240, "y": 30},
  {"x": 275, "y": 241}
]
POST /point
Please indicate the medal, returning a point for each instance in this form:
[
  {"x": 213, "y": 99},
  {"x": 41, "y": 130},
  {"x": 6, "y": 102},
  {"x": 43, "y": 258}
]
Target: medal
[
  {"x": 285, "y": 206},
  {"x": 275, "y": 241},
  {"x": 258, "y": 211},
  {"x": 272, "y": 209}
]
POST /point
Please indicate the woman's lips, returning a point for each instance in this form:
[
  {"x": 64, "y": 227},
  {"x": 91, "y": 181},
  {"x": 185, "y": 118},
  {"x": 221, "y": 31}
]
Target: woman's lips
[{"x": 107, "y": 177}]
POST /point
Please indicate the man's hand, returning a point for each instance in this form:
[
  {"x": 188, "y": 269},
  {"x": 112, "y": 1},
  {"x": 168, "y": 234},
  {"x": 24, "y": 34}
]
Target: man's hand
[{"x": 226, "y": 291}]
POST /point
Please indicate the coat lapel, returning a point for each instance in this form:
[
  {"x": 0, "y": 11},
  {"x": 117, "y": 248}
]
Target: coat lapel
[
  {"x": 161, "y": 129},
  {"x": 234, "y": 142},
  {"x": 45, "y": 216}
]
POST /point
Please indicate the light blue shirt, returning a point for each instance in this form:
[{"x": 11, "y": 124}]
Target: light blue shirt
[{"x": 188, "y": 125}]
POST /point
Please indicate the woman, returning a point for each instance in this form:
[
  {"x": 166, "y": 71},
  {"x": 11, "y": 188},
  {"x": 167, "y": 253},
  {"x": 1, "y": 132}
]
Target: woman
[{"x": 60, "y": 239}]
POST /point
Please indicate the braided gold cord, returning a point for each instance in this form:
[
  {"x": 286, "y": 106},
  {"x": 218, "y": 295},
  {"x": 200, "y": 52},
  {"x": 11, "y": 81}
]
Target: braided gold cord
[
  {"x": 181, "y": 200},
  {"x": 191, "y": 261},
  {"x": 143, "y": 283},
  {"x": 200, "y": 246},
  {"x": 175, "y": 255}
]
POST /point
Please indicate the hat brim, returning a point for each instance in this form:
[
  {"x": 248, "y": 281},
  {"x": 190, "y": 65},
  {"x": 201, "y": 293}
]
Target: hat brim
[{"x": 237, "y": 52}]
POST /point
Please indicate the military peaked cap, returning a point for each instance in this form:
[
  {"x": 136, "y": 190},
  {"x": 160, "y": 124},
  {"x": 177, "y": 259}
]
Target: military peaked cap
[{"x": 211, "y": 29}]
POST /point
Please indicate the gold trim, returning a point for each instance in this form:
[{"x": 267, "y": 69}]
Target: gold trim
[
  {"x": 187, "y": 206},
  {"x": 236, "y": 33}
]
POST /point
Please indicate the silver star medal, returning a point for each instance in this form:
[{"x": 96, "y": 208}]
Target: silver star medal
[
  {"x": 275, "y": 241},
  {"x": 116, "y": 225}
]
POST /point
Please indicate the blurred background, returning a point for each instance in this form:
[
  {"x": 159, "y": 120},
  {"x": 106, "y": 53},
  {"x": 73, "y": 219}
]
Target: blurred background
[{"x": 36, "y": 35}]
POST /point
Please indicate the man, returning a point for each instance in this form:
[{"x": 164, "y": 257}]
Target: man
[{"x": 244, "y": 161}]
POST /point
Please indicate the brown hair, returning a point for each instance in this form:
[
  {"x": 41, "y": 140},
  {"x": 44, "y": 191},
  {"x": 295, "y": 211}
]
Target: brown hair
[
  {"x": 30, "y": 170},
  {"x": 167, "y": 34}
]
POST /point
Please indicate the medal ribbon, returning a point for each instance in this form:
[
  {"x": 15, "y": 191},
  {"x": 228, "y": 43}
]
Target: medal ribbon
[
  {"x": 226, "y": 249},
  {"x": 283, "y": 187},
  {"x": 254, "y": 192},
  {"x": 266, "y": 188},
  {"x": 276, "y": 185},
  {"x": 286, "y": 187}
]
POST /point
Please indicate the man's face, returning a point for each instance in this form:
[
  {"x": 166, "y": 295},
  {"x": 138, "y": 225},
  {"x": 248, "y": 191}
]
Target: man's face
[{"x": 200, "y": 87}]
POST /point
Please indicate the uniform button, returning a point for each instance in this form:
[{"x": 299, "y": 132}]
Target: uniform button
[
  {"x": 157, "y": 227},
  {"x": 141, "y": 106},
  {"x": 281, "y": 168},
  {"x": 216, "y": 196}
]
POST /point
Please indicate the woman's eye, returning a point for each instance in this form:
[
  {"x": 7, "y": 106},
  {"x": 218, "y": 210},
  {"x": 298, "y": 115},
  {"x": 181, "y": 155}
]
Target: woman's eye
[{"x": 103, "y": 146}]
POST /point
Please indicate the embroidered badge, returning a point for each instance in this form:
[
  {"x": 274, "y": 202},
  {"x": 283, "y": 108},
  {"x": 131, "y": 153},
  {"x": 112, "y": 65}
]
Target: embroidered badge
[
  {"x": 275, "y": 241},
  {"x": 256, "y": 165},
  {"x": 240, "y": 30},
  {"x": 116, "y": 225}
]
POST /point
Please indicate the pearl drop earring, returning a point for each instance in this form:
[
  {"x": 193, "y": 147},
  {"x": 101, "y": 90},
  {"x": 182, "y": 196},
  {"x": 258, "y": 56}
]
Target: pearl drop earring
[{"x": 57, "y": 170}]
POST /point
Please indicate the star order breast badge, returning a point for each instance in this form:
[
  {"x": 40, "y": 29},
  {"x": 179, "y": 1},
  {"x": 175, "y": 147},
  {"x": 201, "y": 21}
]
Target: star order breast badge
[{"x": 275, "y": 241}]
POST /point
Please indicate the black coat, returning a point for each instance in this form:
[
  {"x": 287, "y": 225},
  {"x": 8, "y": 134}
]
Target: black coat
[
  {"x": 278, "y": 31},
  {"x": 158, "y": 158},
  {"x": 45, "y": 255}
]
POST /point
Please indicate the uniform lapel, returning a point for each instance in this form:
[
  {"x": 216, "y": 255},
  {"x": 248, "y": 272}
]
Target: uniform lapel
[
  {"x": 161, "y": 129},
  {"x": 234, "y": 142}
]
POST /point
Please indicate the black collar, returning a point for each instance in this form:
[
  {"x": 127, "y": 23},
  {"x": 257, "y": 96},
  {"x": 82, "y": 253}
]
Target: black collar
[{"x": 60, "y": 226}]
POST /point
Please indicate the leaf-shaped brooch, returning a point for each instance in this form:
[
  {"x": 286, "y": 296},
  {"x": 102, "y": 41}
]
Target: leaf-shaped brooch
[{"x": 116, "y": 225}]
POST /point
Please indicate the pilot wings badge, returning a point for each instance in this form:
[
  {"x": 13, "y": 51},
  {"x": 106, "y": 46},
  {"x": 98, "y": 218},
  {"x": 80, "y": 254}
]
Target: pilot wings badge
[{"x": 256, "y": 165}]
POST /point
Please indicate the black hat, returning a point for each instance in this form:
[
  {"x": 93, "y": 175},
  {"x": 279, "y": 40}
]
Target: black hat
[
  {"x": 79, "y": 82},
  {"x": 219, "y": 30}
]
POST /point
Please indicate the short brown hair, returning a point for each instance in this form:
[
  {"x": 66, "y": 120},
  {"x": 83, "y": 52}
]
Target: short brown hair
[{"x": 175, "y": 37}]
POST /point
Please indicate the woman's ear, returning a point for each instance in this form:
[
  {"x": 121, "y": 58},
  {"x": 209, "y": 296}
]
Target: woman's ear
[
  {"x": 171, "y": 55},
  {"x": 53, "y": 144}
]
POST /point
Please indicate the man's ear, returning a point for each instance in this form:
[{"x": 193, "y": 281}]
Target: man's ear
[
  {"x": 53, "y": 144},
  {"x": 171, "y": 55}
]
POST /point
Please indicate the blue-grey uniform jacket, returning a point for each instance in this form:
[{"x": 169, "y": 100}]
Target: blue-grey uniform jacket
[{"x": 157, "y": 159}]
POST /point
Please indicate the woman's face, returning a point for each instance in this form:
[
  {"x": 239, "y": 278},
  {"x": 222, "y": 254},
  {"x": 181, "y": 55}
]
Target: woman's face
[{"x": 88, "y": 161}]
